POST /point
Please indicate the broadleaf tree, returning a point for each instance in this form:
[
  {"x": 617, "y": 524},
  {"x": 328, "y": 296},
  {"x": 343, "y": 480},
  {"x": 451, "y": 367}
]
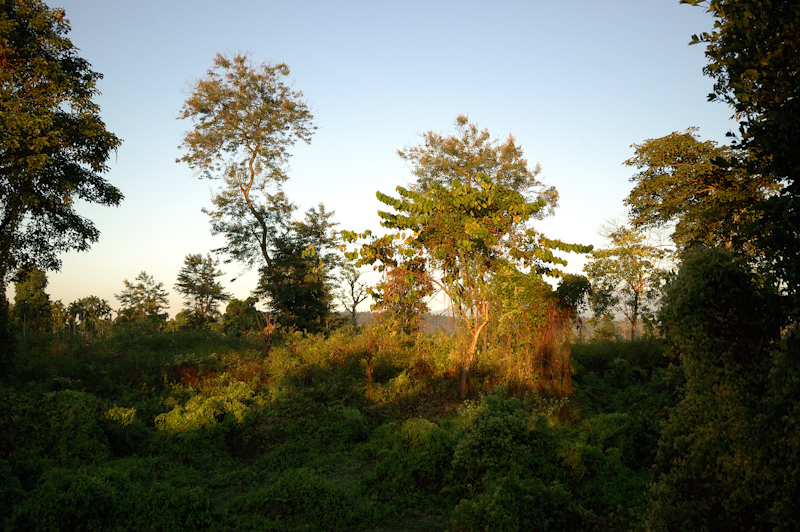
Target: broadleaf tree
[
  {"x": 753, "y": 60},
  {"x": 465, "y": 225},
  {"x": 627, "y": 276},
  {"x": 32, "y": 306},
  {"x": 700, "y": 190},
  {"x": 299, "y": 286},
  {"x": 245, "y": 119},
  {"x": 143, "y": 298},
  {"x": 54, "y": 146},
  {"x": 202, "y": 292}
]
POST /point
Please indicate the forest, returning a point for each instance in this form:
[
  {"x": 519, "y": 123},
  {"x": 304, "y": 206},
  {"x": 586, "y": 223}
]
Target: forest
[{"x": 519, "y": 406}]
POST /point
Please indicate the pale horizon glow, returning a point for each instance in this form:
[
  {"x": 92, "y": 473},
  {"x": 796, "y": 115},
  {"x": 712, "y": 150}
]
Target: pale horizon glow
[{"x": 576, "y": 83}]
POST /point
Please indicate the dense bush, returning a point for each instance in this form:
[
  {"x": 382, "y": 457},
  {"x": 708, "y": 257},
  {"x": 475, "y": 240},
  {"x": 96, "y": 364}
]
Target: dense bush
[
  {"x": 720, "y": 450},
  {"x": 195, "y": 430}
]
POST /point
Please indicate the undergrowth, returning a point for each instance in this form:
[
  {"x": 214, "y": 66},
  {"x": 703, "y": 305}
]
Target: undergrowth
[{"x": 196, "y": 431}]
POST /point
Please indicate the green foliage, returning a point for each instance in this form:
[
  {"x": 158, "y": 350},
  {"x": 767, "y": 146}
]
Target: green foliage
[
  {"x": 204, "y": 411},
  {"x": 54, "y": 145},
  {"x": 464, "y": 222},
  {"x": 143, "y": 299},
  {"x": 573, "y": 291},
  {"x": 627, "y": 276},
  {"x": 88, "y": 316},
  {"x": 400, "y": 296},
  {"x": 515, "y": 504},
  {"x": 31, "y": 303},
  {"x": 702, "y": 190},
  {"x": 245, "y": 119},
  {"x": 717, "y": 315},
  {"x": 106, "y": 499},
  {"x": 752, "y": 58},
  {"x": 202, "y": 293},
  {"x": 195, "y": 430},
  {"x": 301, "y": 500},
  {"x": 722, "y": 325},
  {"x": 415, "y": 459},
  {"x": 469, "y": 153},
  {"x": 298, "y": 282},
  {"x": 240, "y": 317}
]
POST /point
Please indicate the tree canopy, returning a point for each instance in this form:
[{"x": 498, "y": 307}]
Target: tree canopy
[
  {"x": 471, "y": 152},
  {"x": 753, "y": 59},
  {"x": 299, "y": 283},
  {"x": 143, "y": 298},
  {"x": 245, "y": 118},
  {"x": 32, "y": 306},
  {"x": 197, "y": 282},
  {"x": 627, "y": 276},
  {"x": 697, "y": 188}
]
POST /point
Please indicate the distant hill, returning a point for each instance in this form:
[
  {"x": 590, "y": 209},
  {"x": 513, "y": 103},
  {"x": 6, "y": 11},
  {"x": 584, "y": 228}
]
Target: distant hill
[{"x": 436, "y": 321}]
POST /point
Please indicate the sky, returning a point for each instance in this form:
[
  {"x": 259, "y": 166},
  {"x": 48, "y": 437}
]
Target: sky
[{"x": 577, "y": 83}]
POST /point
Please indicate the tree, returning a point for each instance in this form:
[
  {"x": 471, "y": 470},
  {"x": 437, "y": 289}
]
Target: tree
[
  {"x": 299, "y": 284},
  {"x": 32, "y": 306},
  {"x": 144, "y": 298},
  {"x": 202, "y": 293},
  {"x": 752, "y": 53},
  {"x": 700, "y": 189},
  {"x": 401, "y": 295},
  {"x": 753, "y": 60},
  {"x": 53, "y": 146},
  {"x": 628, "y": 276},
  {"x": 89, "y": 314},
  {"x": 241, "y": 317},
  {"x": 715, "y": 471},
  {"x": 573, "y": 295},
  {"x": 353, "y": 293},
  {"x": 245, "y": 120},
  {"x": 60, "y": 316},
  {"x": 465, "y": 225}
]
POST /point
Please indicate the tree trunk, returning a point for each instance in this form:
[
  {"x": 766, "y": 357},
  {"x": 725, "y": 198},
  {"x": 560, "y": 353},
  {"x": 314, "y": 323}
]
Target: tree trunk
[
  {"x": 6, "y": 338},
  {"x": 268, "y": 332},
  {"x": 466, "y": 365}
]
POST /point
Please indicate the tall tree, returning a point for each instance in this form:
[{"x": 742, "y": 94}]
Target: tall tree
[
  {"x": 465, "y": 225},
  {"x": 143, "y": 298},
  {"x": 628, "y": 276},
  {"x": 245, "y": 118},
  {"x": 53, "y": 147},
  {"x": 697, "y": 188},
  {"x": 202, "y": 293},
  {"x": 753, "y": 59}
]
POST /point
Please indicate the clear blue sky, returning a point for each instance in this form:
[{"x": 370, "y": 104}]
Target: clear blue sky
[{"x": 576, "y": 82}]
